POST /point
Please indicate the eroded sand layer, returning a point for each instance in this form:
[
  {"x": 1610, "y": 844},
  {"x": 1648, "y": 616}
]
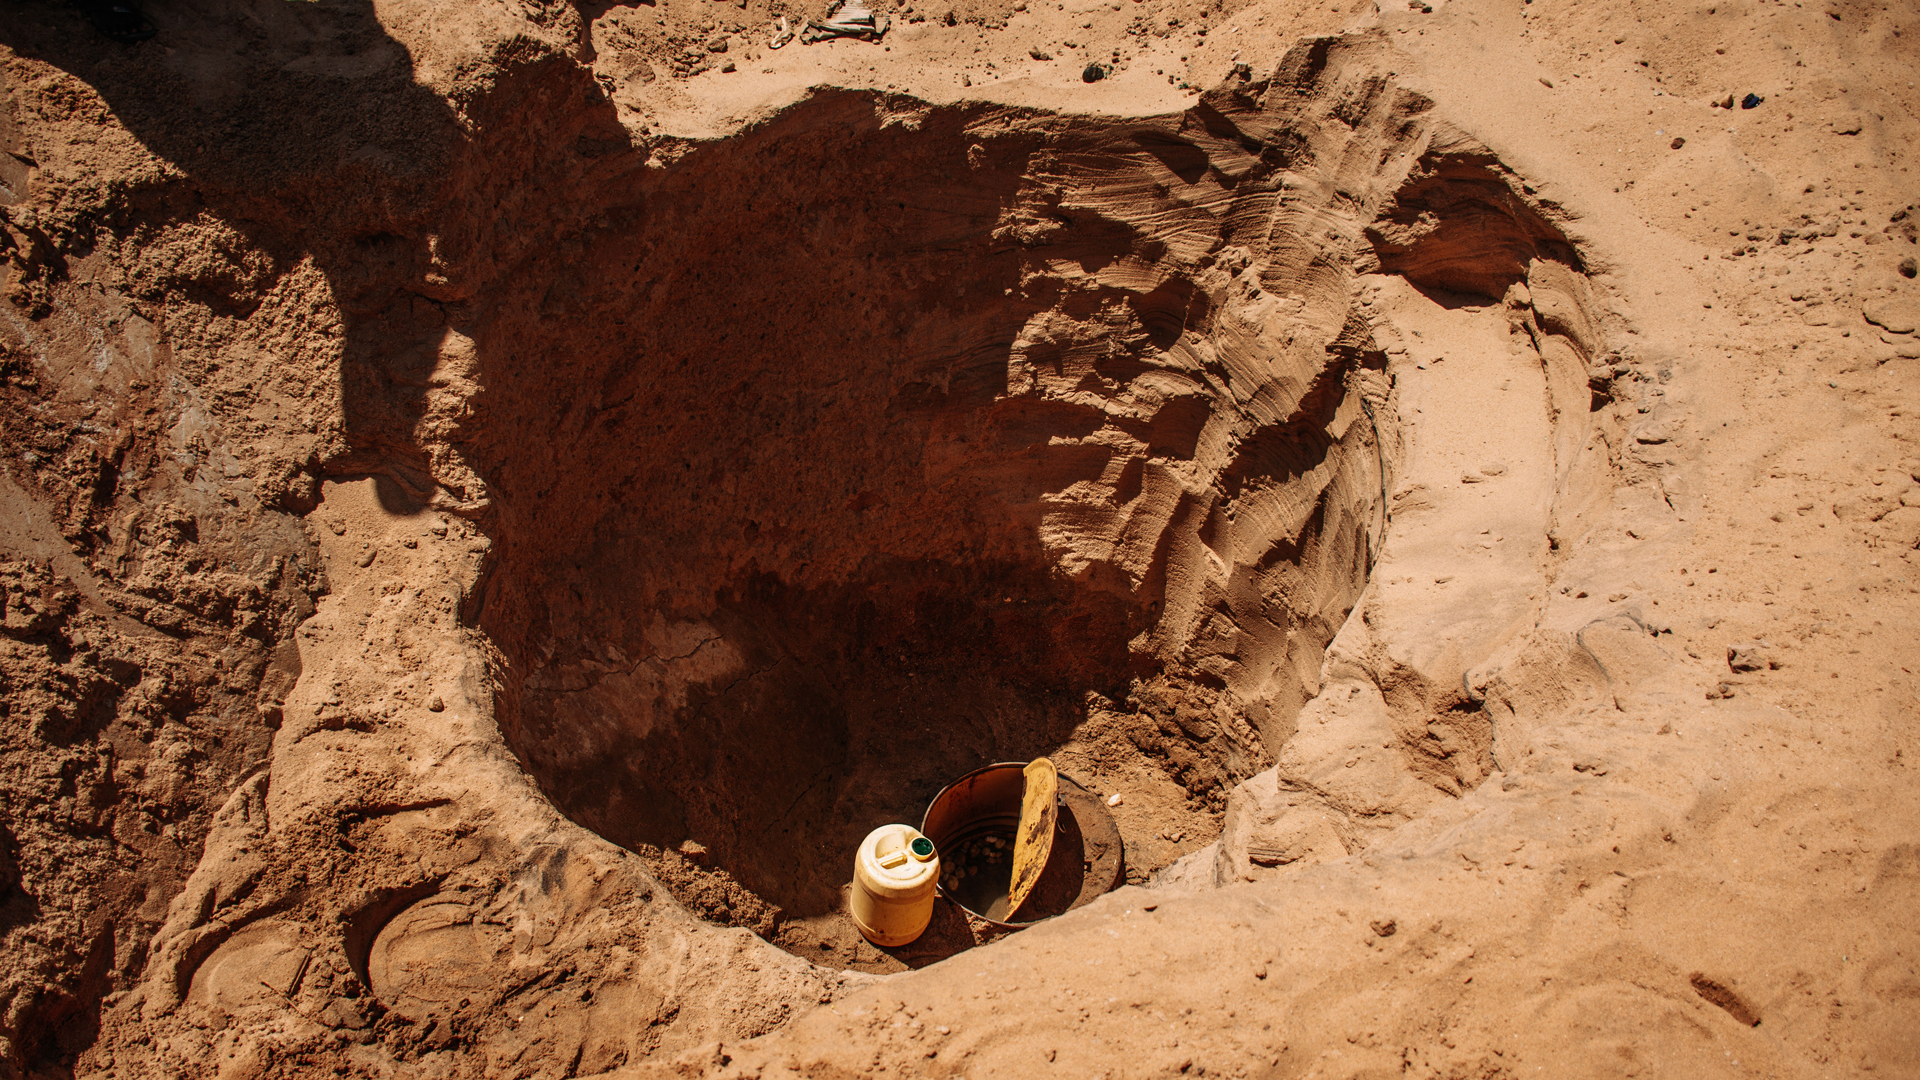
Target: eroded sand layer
[{"x": 495, "y": 505}]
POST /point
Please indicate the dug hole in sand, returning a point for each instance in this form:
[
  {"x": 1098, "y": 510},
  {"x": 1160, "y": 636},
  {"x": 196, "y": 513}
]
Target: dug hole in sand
[{"x": 495, "y": 513}]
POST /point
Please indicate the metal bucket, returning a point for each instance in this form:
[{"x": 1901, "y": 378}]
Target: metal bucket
[{"x": 972, "y": 822}]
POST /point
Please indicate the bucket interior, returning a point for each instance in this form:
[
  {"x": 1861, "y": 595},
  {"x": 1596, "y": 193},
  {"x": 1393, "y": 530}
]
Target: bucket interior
[{"x": 973, "y": 822}]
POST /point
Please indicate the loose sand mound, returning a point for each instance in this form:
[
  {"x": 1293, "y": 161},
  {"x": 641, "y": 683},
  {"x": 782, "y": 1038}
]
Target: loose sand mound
[{"x": 498, "y": 502}]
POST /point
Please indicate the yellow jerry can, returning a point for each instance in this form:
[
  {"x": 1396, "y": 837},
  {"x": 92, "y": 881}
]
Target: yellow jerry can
[{"x": 894, "y": 874}]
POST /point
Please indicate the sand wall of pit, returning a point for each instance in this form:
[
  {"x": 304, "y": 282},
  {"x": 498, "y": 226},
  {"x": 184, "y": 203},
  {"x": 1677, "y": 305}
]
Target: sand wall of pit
[
  {"x": 817, "y": 488},
  {"x": 885, "y": 439}
]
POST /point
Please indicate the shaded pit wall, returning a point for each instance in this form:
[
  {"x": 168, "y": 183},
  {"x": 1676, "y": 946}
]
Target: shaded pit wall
[
  {"x": 829, "y": 461},
  {"x": 873, "y": 444}
]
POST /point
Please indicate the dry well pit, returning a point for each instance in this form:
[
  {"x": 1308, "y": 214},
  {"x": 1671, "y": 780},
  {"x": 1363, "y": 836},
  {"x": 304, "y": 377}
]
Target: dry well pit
[{"x": 885, "y": 440}]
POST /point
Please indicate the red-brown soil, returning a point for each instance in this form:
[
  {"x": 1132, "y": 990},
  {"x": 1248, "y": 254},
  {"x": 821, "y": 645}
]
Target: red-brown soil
[{"x": 495, "y": 501}]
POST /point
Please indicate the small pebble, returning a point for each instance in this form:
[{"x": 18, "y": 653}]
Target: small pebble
[
  {"x": 1114, "y": 799},
  {"x": 434, "y": 704}
]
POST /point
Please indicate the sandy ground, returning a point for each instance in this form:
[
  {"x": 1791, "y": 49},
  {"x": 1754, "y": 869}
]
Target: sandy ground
[{"x": 1605, "y": 775}]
